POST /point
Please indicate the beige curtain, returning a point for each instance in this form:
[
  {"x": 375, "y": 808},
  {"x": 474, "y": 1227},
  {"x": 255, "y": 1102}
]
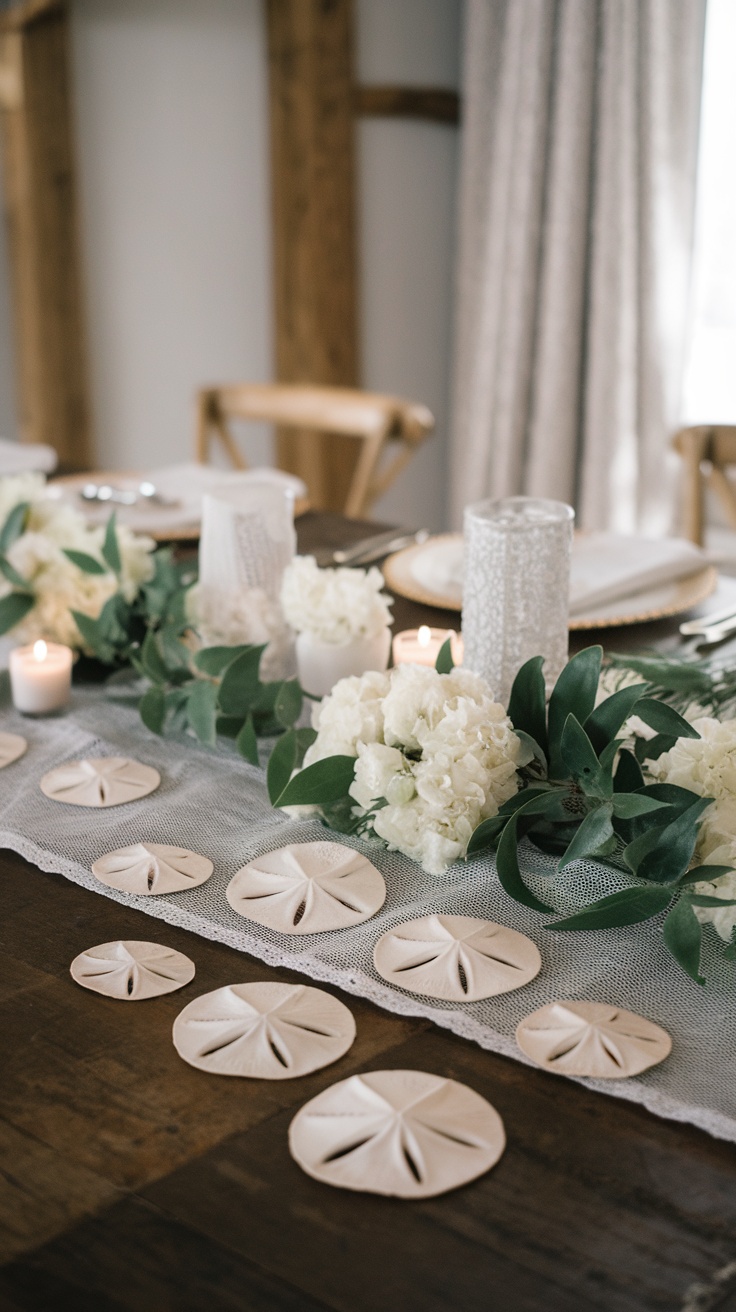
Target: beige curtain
[{"x": 576, "y": 215}]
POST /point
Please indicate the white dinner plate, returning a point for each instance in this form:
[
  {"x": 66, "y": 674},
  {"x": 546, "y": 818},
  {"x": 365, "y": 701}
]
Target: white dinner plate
[{"x": 431, "y": 573}]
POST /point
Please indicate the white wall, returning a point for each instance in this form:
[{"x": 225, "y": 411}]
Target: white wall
[{"x": 171, "y": 110}]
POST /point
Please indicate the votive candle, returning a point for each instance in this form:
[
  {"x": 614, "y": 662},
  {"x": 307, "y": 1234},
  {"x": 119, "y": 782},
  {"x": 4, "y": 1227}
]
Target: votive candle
[
  {"x": 40, "y": 677},
  {"x": 422, "y": 646}
]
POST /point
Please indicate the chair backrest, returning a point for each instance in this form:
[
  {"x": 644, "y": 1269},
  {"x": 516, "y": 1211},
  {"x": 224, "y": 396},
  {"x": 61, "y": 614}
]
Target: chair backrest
[
  {"x": 707, "y": 450},
  {"x": 376, "y": 420}
]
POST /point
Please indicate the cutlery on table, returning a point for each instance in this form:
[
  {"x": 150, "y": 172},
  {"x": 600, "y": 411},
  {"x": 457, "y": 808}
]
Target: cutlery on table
[
  {"x": 371, "y": 548},
  {"x": 145, "y": 492}
]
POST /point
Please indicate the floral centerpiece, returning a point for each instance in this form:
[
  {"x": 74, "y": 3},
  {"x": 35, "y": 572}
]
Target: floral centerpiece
[
  {"x": 55, "y": 567},
  {"x": 429, "y": 764},
  {"x": 341, "y": 618}
]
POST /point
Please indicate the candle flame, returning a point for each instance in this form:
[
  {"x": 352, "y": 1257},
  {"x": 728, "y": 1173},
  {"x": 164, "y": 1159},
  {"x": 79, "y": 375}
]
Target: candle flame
[
  {"x": 424, "y": 635},
  {"x": 40, "y": 650}
]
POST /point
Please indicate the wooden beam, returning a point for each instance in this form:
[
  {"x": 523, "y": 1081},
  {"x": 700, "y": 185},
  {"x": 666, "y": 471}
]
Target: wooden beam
[
  {"x": 433, "y": 103},
  {"x": 315, "y": 245},
  {"x": 41, "y": 211}
]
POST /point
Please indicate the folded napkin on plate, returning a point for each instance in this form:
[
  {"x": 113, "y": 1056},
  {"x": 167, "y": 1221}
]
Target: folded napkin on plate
[
  {"x": 26, "y": 457},
  {"x": 608, "y": 567}
]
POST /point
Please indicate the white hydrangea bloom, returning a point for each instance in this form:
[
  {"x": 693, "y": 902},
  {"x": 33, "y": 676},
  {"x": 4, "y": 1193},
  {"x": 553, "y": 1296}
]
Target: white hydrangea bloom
[
  {"x": 334, "y": 605},
  {"x": 435, "y": 753},
  {"x": 61, "y": 587},
  {"x": 229, "y": 618}
]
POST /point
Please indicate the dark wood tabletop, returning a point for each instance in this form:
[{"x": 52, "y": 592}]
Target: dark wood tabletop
[{"x": 132, "y": 1181}]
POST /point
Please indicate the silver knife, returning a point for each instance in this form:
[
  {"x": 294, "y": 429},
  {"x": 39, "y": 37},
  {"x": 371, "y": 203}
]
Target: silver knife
[
  {"x": 695, "y": 628},
  {"x": 372, "y": 548}
]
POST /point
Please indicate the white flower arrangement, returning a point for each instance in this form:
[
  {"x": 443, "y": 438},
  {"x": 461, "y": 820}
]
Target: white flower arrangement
[
  {"x": 707, "y": 766},
  {"x": 38, "y": 556},
  {"x": 229, "y": 618},
  {"x": 435, "y": 756},
  {"x": 334, "y": 606}
]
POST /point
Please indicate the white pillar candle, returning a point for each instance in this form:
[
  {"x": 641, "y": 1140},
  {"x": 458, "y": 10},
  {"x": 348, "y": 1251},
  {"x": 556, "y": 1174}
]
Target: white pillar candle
[
  {"x": 40, "y": 677},
  {"x": 422, "y": 646}
]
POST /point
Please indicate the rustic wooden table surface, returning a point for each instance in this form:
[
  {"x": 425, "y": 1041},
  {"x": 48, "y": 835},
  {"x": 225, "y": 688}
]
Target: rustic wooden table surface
[{"x": 131, "y": 1181}]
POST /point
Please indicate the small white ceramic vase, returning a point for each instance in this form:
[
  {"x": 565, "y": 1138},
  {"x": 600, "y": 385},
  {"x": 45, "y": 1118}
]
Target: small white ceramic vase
[{"x": 321, "y": 664}]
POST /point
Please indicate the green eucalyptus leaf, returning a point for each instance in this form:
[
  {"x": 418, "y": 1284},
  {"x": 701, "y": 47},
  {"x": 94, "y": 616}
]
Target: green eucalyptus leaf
[
  {"x": 215, "y": 660},
  {"x": 594, "y": 833},
  {"x": 247, "y": 743},
  {"x": 152, "y": 709},
  {"x": 730, "y": 952},
  {"x": 14, "y": 525},
  {"x": 672, "y": 854},
  {"x": 628, "y": 777},
  {"x": 665, "y": 719},
  {"x": 322, "y": 782},
  {"x": 682, "y": 932},
  {"x": 604, "y": 722},
  {"x": 527, "y": 704},
  {"x": 288, "y": 704},
  {"x": 703, "y": 900},
  {"x": 229, "y": 725},
  {"x": 153, "y": 663},
  {"x": 14, "y": 608},
  {"x": 703, "y": 874},
  {"x": 573, "y": 694},
  {"x": 110, "y": 548},
  {"x": 507, "y": 865},
  {"x": 485, "y": 834},
  {"x": 85, "y": 562},
  {"x": 629, "y": 907},
  {"x": 629, "y": 805},
  {"x": 650, "y": 749},
  {"x": 444, "y": 663},
  {"x": 579, "y": 759},
  {"x": 202, "y": 711},
  {"x": 13, "y": 576},
  {"x": 241, "y": 683},
  {"x": 285, "y": 758}
]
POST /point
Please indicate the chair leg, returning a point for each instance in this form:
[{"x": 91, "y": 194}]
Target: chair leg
[{"x": 694, "y": 451}]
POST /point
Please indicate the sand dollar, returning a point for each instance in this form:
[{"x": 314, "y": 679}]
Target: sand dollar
[
  {"x": 456, "y": 958},
  {"x": 149, "y": 869},
  {"x": 12, "y": 746},
  {"x": 308, "y": 888},
  {"x": 404, "y": 1133},
  {"x": 592, "y": 1038},
  {"x": 100, "y": 781},
  {"x": 132, "y": 970},
  {"x": 265, "y": 1031}
]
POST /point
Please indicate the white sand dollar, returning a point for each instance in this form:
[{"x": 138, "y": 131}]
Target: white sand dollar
[
  {"x": 12, "y": 746},
  {"x": 100, "y": 781},
  {"x": 456, "y": 958},
  {"x": 265, "y": 1031},
  {"x": 132, "y": 970},
  {"x": 404, "y": 1133},
  {"x": 592, "y": 1038},
  {"x": 150, "y": 869},
  {"x": 308, "y": 888}
]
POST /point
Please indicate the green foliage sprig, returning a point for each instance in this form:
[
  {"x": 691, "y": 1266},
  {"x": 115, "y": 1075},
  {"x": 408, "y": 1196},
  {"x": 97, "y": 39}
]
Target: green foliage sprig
[
  {"x": 16, "y": 605},
  {"x": 583, "y": 794}
]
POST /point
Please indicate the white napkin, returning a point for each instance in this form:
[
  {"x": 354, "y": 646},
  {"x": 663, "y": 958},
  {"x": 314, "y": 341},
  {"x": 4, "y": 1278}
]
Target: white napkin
[
  {"x": 25, "y": 457},
  {"x": 608, "y": 567}
]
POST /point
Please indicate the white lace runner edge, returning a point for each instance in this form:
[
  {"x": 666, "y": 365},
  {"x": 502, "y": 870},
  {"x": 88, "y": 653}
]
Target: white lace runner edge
[{"x": 703, "y": 1042}]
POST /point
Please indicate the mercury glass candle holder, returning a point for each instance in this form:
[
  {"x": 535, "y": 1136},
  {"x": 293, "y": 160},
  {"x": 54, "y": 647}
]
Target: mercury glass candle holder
[{"x": 516, "y": 588}]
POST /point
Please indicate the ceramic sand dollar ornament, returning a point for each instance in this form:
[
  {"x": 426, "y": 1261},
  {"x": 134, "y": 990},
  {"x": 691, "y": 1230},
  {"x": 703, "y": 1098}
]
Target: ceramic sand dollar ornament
[
  {"x": 12, "y": 746},
  {"x": 100, "y": 781},
  {"x": 404, "y": 1133},
  {"x": 456, "y": 958},
  {"x": 132, "y": 970},
  {"x": 265, "y": 1031},
  {"x": 149, "y": 869},
  {"x": 592, "y": 1038},
  {"x": 308, "y": 888}
]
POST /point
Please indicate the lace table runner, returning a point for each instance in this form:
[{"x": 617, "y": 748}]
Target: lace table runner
[{"x": 216, "y": 804}]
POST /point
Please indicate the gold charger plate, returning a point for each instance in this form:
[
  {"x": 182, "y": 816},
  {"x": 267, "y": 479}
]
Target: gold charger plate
[{"x": 677, "y": 597}]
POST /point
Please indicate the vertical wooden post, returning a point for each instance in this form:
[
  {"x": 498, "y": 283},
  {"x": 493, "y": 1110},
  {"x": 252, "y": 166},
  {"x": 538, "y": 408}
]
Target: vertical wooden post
[
  {"x": 315, "y": 247},
  {"x": 35, "y": 115}
]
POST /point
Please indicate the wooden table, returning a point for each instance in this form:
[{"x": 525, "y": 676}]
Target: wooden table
[{"x": 132, "y": 1181}]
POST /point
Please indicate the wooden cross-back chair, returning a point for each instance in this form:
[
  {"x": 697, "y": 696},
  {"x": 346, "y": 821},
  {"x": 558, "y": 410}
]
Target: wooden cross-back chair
[
  {"x": 379, "y": 422},
  {"x": 707, "y": 450}
]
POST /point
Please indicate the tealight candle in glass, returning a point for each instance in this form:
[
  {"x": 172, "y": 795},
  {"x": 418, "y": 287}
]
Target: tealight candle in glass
[
  {"x": 516, "y": 588},
  {"x": 422, "y": 646},
  {"x": 40, "y": 677}
]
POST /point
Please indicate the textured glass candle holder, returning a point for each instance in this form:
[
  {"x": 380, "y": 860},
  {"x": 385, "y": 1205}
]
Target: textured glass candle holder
[{"x": 516, "y": 588}]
